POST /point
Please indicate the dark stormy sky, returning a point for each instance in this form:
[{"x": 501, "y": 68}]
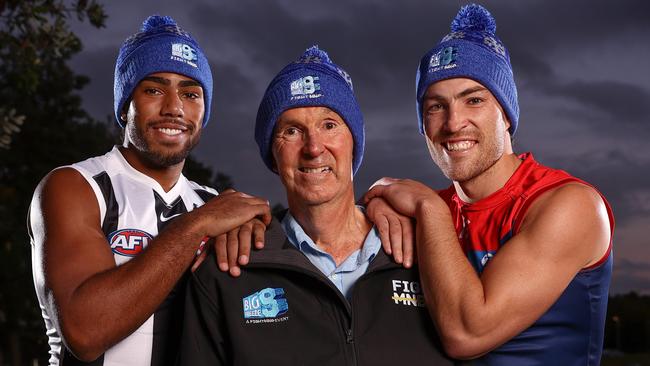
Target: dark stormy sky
[{"x": 581, "y": 69}]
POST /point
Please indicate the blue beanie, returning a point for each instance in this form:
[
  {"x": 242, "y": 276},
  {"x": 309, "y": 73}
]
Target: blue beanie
[
  {"x": 472, "y": 50},
  {"x": 312, "y": 80},
  {"x": 160, "y": 46}
]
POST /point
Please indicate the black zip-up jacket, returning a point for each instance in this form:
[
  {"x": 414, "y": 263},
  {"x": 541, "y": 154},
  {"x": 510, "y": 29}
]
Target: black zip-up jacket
[{"x": 283, "y": 311}]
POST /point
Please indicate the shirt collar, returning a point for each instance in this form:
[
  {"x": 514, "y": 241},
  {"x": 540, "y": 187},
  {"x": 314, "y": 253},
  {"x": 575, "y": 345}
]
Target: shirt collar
[{"x": 302, "y": 241}]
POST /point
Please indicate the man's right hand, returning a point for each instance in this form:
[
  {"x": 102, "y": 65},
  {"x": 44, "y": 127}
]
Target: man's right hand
[
  {"x": 395, "y": 231},
  {"x": 233, "y": 247},
  {"x": 230, "y": 210}
]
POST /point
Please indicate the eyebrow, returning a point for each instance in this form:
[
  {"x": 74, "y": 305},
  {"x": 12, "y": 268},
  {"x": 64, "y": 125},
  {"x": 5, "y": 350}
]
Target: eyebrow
[
  {"x": 157, "y": 79},
  {"x": 164, "y": 81},
  {"x": 462, "y": 94},
  {"x": 184, "y": 83}
]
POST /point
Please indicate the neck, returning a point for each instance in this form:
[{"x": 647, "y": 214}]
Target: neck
[
  {"x": 165, "y": 176},
  {"x": 338, "y": 228},
  {"x": 490, "y": 181}
]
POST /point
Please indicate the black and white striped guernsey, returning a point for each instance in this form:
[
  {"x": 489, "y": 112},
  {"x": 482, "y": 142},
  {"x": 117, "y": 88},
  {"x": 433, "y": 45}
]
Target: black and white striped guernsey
[{"x": 134, "y": 209}]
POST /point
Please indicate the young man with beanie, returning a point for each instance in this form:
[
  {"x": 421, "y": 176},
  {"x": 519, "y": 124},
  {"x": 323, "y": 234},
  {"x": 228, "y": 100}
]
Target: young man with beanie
[
  {"x": 112, "y": 235},
  {"x": 515, "y": 257},
  {"x": 321, "y": 292}
]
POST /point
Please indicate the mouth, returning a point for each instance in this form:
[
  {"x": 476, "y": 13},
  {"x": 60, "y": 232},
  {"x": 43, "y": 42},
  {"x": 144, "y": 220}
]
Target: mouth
[
  {"x": 321, "y": 169},
  {"x": 458, "y": 145},
  {"x": 169, "y": 131},
  {"x": 170, "y": 128}
]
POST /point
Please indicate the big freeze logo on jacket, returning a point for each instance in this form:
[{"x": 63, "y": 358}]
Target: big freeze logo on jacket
[
  {"x": 129, "y": 242},
  {"x": 265, "y": 306}
]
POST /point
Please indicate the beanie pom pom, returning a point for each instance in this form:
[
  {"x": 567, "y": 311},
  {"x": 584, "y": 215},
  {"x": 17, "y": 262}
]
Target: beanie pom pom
[
  {"x": 474, "y": 18},
  {"x": 156, "y": 21},
  {"x": 315, "y": 54}
]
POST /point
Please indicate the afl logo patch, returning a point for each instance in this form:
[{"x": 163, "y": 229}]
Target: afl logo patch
[{"x": 129, "y": 242}]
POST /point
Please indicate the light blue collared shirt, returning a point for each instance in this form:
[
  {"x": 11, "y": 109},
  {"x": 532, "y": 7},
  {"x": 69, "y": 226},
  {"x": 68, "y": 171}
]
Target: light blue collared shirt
[{"x": 353, "y": 267}]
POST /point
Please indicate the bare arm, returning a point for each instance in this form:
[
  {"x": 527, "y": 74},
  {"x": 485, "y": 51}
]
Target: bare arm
[
  {"x": 75, "y": 272},
  {"x": 564, "y": 231}
]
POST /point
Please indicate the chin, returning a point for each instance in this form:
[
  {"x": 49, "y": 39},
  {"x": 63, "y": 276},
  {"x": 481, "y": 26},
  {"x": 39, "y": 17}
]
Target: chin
[
  {"x": 313, "y": 198},
  {"x": 459, "y": 172},
  {"x": 166, "y": 159}
]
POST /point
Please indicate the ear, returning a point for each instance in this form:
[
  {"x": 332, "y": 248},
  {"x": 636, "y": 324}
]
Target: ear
[
  {"x": 125, "y": 109},
  {"x": 274, "y": 166},
  {"x": 507, "y": 121}
]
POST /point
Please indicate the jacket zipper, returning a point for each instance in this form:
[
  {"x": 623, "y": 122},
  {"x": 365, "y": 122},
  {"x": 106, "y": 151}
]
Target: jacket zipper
[{"x": 349, "y": 339}]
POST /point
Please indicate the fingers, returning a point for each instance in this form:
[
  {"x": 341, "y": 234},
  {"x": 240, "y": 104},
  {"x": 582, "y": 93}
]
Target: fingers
[
  {"x": 199, "y": 260},
  {"x": 244, "y": 238},
  {"x": 258, "y": 234},
  {"x": 379, "y": 188},
  {"x": 384, "y": 233},
  {"x": 408, "y": 242},
  {"x": 232, "y": 247},
  {"x": 395, "y": 235},
  {"x": 220, "y": 243},
  {"x": 375, "y": 191}
]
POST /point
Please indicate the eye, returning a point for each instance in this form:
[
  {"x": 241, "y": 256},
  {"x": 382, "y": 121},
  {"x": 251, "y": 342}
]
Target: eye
[
  {"x": 435, "y": 107},
  {"x": 291, "y": 131},
  {"x": 191, "y": 95},
  {"x": 152, "y": 91},
  {"x": 329, "y": 125},
  {"x": 475, "y": 100}
]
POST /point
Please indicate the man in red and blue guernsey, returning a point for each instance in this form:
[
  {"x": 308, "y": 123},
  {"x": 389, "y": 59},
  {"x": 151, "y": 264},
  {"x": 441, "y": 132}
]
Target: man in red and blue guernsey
[{"x": 515, "y": 257}]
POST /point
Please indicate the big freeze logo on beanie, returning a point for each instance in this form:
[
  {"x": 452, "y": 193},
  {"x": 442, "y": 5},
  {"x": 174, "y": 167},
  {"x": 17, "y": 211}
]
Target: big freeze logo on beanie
[
  {"x": 443, "y": 59},
  {"x": 184, "y": 53},
  {"x": 305, "y": 87}
]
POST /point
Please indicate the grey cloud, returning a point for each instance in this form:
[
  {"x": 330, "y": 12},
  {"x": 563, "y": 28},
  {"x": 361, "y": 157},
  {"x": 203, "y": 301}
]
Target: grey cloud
[
  {"x": 545, "y": 26},
  {"x": 620, "y": 178},
  {"x": 627, "y": 103},
  {"x": 630, "y": 276}
]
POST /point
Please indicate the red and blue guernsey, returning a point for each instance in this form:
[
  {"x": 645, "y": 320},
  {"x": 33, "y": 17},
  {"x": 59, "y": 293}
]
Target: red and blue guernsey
[{"x": 571, "y": 331}]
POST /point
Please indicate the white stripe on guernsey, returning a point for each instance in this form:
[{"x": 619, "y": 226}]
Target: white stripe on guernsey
[{"x": 134, "y": 350}]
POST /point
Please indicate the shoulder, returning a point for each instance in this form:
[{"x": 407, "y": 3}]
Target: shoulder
[
  {"x": 63, "y": 180},
  {"x": 63, "y": 202},
  {"x": 573, "y": 216},
  {"x": 572, "y": 199},
  {"x": 201, "y": 189},
  {"x": 64, "y": 190}
]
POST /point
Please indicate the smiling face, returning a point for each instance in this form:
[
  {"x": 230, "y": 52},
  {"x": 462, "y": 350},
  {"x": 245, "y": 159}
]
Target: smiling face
[
  {"x": 465, "y": 127},
  {"x": 312, "y": 150},
  {"x": 163, "y": 120}
]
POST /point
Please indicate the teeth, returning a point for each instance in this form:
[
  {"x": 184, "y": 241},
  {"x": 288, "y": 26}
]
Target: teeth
[
  {"x": 459, "y": 146},
  {"x": 170, "y": 131},
  {"x": 316, "y": 170}
]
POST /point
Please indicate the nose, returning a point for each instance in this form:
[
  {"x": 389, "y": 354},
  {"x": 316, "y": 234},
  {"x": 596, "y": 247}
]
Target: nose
[
  {"x": 456, "y": 119},
  {"x": 313, "y": 144},
  {"x": 172, "y": 106}
]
